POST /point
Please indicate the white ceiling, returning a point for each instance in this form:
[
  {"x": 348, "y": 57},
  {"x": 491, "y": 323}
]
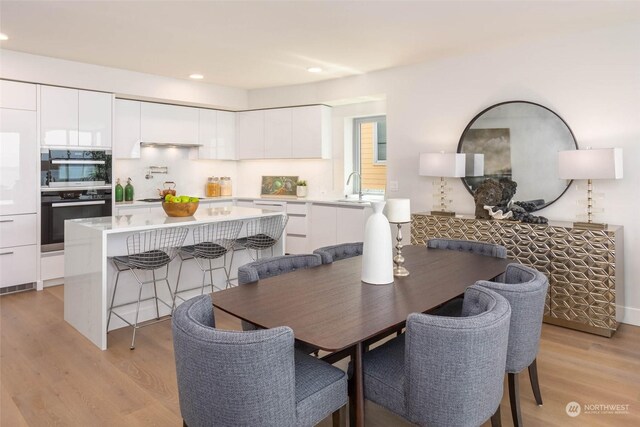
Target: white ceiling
[{"x": 272, "y": 43}]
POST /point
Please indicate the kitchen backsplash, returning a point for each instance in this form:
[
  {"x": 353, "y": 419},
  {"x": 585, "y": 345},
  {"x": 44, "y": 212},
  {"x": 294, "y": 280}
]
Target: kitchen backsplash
[{"x": 189, "y": 175}]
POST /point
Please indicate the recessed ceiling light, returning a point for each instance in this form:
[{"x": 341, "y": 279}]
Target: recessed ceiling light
[
  {"x": 314, "y": 69},
  {"x": 196, "y": 76},
  {"x": 3, "y": 37}
]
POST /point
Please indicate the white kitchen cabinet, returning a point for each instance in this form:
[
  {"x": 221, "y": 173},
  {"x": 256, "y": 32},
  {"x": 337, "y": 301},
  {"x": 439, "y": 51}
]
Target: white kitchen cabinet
[
  {"x": 350, "y": 224},
  {"x": 324, "y": 226},
  {"x": 168, "y": 124},
  {"x": 59, "y": 116},
  {"x": 17, "y": 95},
  {"x": 52, "y": 266},
  {"x": 18, "y": 265},
  {"x": 207, "y": 134},
  {"x": 18, "y": 230},
  {"x": 19, "y": 158},
  {"x": 71, "y": 117},
  {"x": 226, "y": 134},
  {"x": 250, "y": 134},
  {"x": 95, "y": 110},
  {"x": 126, "y": 141},
  {"x": 311, "y": 132},
  {"x": 278, "y": 133},
  {"x": 217, "y": 135}
]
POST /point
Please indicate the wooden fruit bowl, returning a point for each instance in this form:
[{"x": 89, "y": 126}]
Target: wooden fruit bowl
[{"x": 180, "y": 209}]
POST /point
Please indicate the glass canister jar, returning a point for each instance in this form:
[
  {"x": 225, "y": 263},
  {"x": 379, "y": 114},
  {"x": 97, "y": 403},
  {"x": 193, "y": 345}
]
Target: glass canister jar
[
  {"x": 212, "y": 188},
  {"x": 225, "y": 186}
]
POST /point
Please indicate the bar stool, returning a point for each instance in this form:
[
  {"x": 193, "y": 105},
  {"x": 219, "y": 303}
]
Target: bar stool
[
  {"x": 262, "y": 233},
  {"x": 210, "y": 242},
  {"x": 147, "y": 251}
]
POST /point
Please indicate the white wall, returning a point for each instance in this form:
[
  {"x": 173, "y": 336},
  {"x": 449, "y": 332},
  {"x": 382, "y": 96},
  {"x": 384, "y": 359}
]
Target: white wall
[
  {"x": 46, "y": 70},
  {"x": 190, "y": 176},
  {"x": 591, "y": 79}
]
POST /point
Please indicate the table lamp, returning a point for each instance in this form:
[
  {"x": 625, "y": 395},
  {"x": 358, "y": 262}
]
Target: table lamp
[
  {"x": 443, "y": 165},
  {"x": 602, "y": 163},
  {"x": 398, "y": 211}
]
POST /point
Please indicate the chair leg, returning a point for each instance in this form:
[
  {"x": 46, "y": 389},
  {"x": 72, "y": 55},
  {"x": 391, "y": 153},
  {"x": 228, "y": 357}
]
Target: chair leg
[
  {"x": 175, "y": 294},
  {"x": 211, "y": 276},
  {"x": 113, "y": 297},
  {"x": 155, "y": 293},
  {"x": 135, "y": 325},
  {"x": 514, "y": 398},
  {"x": 339, "y": 417},
  {"x": 535, "y": 386},
  {"x": 496, "y": 421}
]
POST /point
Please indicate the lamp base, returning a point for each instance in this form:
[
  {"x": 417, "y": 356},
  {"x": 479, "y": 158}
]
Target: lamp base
[
  {"x": 443, "y": 213},
  {"x": 589, "y": 225},
  {"x": 400, "y": 271}
]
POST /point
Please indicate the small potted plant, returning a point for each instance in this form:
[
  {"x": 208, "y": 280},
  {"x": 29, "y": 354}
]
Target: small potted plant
[{"x": 301, "y": 188}]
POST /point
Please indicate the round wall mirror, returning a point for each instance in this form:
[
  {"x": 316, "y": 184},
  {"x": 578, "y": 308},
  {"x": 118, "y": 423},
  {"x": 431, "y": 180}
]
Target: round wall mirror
[{"x": 520, "y": 140}]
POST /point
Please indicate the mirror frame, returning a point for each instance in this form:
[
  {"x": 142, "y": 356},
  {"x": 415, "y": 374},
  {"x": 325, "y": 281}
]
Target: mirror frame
[{"x": 477, "y": 116}]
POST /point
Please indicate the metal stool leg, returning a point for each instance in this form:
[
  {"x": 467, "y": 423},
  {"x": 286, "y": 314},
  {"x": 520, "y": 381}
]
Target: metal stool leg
[
  {"x": 113, "y": 297},
  {"x": 175, "y": 294},
  {"x": 155, "y": 293},
  {"x": 135, "y": 325},
  {"x": 211, "y": 276}
]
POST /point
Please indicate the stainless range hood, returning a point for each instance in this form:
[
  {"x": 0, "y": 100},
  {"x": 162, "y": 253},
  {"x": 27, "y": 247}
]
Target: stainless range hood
[{"x": 168, "y": 144}]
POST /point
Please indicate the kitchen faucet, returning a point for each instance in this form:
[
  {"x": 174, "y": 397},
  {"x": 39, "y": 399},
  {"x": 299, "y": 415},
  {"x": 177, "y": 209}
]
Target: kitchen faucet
[{"x": 359, "y": 183}]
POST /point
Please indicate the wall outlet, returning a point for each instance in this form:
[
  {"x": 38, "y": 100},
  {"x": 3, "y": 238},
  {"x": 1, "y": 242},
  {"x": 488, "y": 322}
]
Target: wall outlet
[{"x": 393, "y": 185}]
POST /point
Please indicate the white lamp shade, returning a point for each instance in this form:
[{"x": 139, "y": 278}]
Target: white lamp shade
[
  {"x": 603, "y": 163},
  {"x": 474, "y": 164},
  {"x": 450, "y": 165},
  {"x": 398, "y": 210}
]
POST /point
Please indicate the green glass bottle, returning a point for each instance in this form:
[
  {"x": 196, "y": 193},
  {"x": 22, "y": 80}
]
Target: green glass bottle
[
  {"x": 119, "y": 191},
  {"x": 128, "y": 191}
]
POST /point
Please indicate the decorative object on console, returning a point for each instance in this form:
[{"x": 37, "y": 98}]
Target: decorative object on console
[
  {"x": 377, "y": 253},
  {"x": 279, "y": 186},
  {"x": 443, "y": 165},
  {"x": 488, "y": 193},
  {"x": 603, "y": 163},
  {"x": 301, "y": 188},
  {"x": 398, "y": 211},
  {"x": 498, "y": 214}
]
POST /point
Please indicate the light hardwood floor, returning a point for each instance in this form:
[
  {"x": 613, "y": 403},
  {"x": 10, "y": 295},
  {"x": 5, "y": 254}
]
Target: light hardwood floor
[{"x": 51, "y": 375}]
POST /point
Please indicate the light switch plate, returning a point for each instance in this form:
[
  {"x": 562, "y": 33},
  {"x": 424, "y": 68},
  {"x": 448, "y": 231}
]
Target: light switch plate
[{"x": 393, "y": 185}]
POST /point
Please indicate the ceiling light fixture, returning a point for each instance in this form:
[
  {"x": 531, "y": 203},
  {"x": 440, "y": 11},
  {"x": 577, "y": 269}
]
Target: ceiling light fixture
[
  {"x": 314, "y": 69},
  {"x": 3, "y": 37},
  {"x": 196, "y": 76}
]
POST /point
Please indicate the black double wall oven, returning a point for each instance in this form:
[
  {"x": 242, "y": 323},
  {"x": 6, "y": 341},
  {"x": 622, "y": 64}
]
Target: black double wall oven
[{"x": 75, "y": 184}]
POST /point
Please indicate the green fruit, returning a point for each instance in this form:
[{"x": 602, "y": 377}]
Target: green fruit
[
  {"x": 194, "y": 200},
  {"x": 167, "y": 198},
  {"x": 184, "y": 199}
]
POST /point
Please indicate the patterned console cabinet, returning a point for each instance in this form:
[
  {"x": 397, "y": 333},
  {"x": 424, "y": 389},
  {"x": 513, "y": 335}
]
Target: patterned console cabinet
[{"x": 584, "y": 267}]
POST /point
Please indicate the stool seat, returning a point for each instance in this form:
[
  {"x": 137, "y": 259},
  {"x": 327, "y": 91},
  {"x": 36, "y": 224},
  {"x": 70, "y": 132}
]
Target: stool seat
[
  {"x": 149, "y": 260},
  {"x": 257, "y": 241},
  {"x": 207, "y": 250}
]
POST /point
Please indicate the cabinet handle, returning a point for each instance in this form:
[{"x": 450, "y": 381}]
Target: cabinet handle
[
  {"x": 6, "y": 220},
  {"x": 71, "y": 204},
  {"x": 6, "y": 253}
]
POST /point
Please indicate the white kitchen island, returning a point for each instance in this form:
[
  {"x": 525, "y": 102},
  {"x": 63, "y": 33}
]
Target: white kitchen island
[{"x": 90, "y": 275}]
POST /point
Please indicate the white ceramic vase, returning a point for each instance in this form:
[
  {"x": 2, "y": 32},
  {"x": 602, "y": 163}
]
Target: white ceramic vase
[
  {"x": 377, "y": 252},
  {"x": 301, "y": 191}
]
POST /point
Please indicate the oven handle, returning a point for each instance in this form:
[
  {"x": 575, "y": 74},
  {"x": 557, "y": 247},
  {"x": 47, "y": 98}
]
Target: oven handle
[
  {"x": 65, "y": 205},
  {"x": 77, "y": 162}
]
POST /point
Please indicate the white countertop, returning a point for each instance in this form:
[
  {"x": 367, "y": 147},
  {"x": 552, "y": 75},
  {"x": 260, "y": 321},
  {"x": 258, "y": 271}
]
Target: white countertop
[
  {"x": 318, "y": 200},
  {"x": 140, "y": 222}
]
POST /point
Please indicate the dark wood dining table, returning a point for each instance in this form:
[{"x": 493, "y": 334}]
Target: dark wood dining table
[{"x": 330, "y": 308}]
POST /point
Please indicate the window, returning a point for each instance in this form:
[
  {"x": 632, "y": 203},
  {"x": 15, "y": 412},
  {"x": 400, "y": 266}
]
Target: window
[{"x": 370, "y": 153}]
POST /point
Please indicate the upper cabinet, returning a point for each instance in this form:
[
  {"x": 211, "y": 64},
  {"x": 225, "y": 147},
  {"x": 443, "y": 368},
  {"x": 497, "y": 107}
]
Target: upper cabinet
[
  {"x": 168, "y": 124},
  {"x": 217, "y": 135},
  {"x": 278, "y": 133},
  {"x": 311, "y": 132},
  {"x": 285, "y": 133},
  {"x": 72, "y": 117},
  {"x": 17, "y": 96},
  {"x": 250, "y": 134},
  {"x": 126, "y": 141}
]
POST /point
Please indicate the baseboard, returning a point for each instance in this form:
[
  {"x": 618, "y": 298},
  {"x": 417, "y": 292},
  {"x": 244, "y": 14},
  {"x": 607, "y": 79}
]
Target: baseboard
[{"x": 631, "y": 315}]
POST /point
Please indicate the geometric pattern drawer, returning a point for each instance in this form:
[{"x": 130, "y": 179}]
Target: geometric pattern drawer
[{"x": 580, "y": 264}]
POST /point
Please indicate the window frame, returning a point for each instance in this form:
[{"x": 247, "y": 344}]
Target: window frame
[{"x": 357, "y": 121}]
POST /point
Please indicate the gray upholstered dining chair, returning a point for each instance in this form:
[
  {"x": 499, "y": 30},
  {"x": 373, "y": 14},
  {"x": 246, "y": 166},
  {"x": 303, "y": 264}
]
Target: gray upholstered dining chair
[
  {"x": 444, "y": 371},
  {"x": 275, "y": 266},
  {"x": 480, "y": 248},
  {"x": 233, "y": 378},
  {"x": 526, "y": 289},
  {"x": 333, "y": 253}
]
